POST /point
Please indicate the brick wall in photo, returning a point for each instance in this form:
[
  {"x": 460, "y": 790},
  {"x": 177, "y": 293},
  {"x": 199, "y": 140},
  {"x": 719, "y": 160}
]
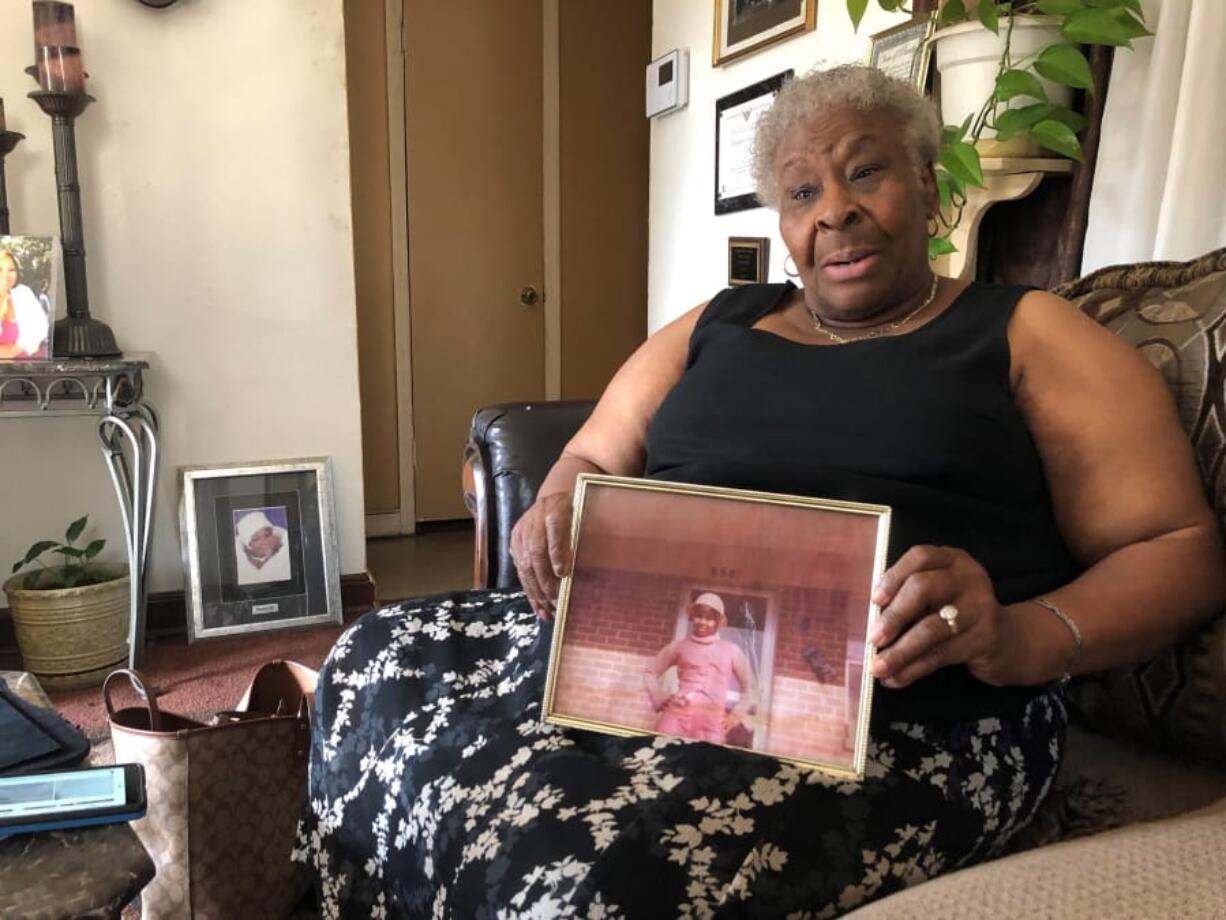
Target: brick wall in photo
[
  {"x": 604, "y": 685},
  {"x": 618, "y": 620},
  {"x": 808, "y": 720}
]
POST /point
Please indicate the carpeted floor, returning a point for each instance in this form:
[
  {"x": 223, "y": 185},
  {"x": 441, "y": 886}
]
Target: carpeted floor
[{"x": 198, "y": 679}]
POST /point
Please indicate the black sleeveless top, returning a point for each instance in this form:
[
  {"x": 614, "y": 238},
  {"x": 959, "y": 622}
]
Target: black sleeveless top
[{"x": 923, "y": 422}]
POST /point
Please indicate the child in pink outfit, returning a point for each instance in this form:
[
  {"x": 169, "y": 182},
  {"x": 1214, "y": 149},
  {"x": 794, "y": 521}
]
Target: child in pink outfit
[{"x": 705, "y": 666}]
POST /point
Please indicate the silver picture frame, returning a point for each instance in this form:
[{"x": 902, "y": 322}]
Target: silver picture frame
[{"x": 259, "y": 546}]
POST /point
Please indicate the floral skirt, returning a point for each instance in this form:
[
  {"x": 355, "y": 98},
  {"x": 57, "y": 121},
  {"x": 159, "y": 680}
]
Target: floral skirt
[{"x": 435, "y": 791}]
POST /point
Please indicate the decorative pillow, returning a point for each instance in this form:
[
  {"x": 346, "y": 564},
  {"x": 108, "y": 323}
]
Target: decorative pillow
[{"x": 1175, "y": 312}]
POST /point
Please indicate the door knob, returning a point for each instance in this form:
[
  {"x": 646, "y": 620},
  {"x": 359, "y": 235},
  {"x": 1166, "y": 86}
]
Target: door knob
[{"x": 528, "y": 296}]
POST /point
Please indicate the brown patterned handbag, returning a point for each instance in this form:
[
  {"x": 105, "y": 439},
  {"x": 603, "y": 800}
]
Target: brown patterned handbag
[{"x": 224, "y": 796}]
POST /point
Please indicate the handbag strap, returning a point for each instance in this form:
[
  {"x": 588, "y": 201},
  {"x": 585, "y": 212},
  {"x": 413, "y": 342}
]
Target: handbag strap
[{"x": 137, "y": 681}]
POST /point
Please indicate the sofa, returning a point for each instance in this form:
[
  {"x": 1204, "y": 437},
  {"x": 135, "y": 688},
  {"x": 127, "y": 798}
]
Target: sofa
[{"x": 1135, "y": 825}]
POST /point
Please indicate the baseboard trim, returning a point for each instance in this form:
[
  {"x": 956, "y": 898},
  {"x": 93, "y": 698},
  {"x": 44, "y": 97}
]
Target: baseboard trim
[{"x": 166, "y": 614}]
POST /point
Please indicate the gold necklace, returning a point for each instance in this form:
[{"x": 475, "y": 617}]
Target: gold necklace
[{"x": 874, "y": 333}]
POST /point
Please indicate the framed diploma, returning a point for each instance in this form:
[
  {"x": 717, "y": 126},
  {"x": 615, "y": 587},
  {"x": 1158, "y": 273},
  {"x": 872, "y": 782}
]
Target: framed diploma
[
  {"x": 727, "y": 616},
  {"x": 736, "y": 117}
]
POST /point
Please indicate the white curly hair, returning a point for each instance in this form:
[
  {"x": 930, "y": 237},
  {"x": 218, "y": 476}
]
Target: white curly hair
[{"x": 849, "y": 85}]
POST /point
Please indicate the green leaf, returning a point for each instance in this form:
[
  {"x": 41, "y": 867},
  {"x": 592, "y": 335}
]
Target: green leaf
[
  {"x": 1096, "y": 27},
  {"x": 940, "y": 246},
  {"x": 71, "y": 552},
  {"x": 35, "y": 551},
  {"x": 94, "y": 549},
  {"x": 987, "y": 16},
  {"x": 1057, "y": 136},
  {"x": 954, "y": 184},
  {"x": 1065, "y": 64},
  {"x": 961, "y": 161},
  {"x": 855, "y": 9},
  {"x": 1013, "y": 83},
  {"x": 890, "y": 6},
  {"x": 30, "y": 582},
  {"x": 951, "y": 12},
  {"x": 1015, "y": 121},
  {"x": 1132, "y": 24},
  {"x": 1075, "y": 120},
  {"x": 75, "y": 528},
  {"x": 943, "y": 190},
  {"x": 1060, "y": 7}
]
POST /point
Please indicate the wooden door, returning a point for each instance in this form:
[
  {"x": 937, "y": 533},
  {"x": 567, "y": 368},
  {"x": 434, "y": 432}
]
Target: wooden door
[{"x": 473, "y": 111}]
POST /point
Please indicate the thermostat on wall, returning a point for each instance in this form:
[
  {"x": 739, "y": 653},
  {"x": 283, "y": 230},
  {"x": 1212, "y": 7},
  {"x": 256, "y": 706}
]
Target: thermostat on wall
[{"x": 668, "y": 83}]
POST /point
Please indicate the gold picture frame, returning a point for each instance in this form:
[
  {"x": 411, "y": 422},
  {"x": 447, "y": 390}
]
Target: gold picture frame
[
  {"x": 745, "y": 26},
  {"x": 792, "y": 579},
  {"x": 904, "y": 51}
]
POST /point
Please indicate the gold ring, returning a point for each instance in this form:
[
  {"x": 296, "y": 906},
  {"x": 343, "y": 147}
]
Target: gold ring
[{"x": 949, "y": 613}]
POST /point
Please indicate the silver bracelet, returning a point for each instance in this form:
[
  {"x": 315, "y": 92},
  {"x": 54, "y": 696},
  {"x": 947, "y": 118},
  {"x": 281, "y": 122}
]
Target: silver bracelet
[{"x": 1072, "y": 627}]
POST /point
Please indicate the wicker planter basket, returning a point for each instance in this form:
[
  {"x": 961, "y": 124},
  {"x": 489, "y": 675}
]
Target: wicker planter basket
[{"x": 72, "y": 637}]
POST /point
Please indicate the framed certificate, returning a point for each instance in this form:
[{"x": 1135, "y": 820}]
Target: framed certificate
[
  {"x": 736, "y": 117},
  {"x": 903, "y": 51},
  {"x": 720, "y": 615}
]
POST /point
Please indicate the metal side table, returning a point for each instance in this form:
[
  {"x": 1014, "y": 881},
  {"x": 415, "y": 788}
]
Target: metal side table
[{"x": 113, "y": 389}]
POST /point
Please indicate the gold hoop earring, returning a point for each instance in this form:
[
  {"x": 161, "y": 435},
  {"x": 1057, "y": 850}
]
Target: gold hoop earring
[{"x": 795, "y": 273}]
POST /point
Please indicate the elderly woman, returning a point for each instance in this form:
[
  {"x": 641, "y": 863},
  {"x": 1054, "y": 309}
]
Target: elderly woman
[
  {"x": 23, "y": 316},
  {"x": 1048, "y": 519}
]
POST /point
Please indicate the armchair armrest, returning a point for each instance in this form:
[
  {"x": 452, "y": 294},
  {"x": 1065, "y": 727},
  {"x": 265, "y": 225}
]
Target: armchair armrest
[{"x": 511, "y": 447}]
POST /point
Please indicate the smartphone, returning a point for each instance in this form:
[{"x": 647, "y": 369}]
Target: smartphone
[{"x": 71, "y": 798}]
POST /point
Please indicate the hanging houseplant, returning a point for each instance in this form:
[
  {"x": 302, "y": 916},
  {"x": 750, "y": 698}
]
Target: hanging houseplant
[
  {"x": 1027, "y": 96},
  {"x": 71, "y": 619}
]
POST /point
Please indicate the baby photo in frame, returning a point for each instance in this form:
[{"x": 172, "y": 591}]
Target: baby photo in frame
[
  {"x": 260, "y": 547},
  {"x": 720, "y": 615},
  {"x": 27, "y": 297}
]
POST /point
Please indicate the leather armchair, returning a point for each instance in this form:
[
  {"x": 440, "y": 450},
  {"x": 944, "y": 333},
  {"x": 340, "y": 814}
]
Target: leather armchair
[{"x": 511, "y": 447}]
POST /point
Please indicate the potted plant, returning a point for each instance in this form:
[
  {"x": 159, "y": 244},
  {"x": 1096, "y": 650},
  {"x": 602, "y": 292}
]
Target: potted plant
[
  {"x": 71, "y": 619},
  {"x": 1027, "y": 57}
]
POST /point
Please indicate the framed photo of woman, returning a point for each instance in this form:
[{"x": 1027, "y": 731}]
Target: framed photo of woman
[
  {"x": 259, "y": 546},
  {"x": 27, "y": 297},
  {"x": 720, "y": 615},
  {"x": 745, "y": 26}
]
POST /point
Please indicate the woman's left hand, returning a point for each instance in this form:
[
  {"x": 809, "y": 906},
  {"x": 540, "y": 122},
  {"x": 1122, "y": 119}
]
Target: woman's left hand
[{"x": 913, "y": 639}]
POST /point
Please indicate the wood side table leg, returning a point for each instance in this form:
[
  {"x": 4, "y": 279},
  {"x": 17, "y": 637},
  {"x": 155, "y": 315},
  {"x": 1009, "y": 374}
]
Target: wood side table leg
[{"x": 130, "y": 449}]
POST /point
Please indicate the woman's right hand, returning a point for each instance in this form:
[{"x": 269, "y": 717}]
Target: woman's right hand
[{"x": 540, "y": 547}]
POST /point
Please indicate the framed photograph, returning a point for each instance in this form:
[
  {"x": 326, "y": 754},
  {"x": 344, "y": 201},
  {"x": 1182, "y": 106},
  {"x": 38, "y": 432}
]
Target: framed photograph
[
  {"x": 745, "y": 26},
  {"x": 903, "y": 52},
  {"x": 259, "y": 546},
  {"x": 736, "y": 117},
  {"x": 27, "y": 297},
  {"x": 747, "y": 259},
  {"x": 732, "y": 617}
]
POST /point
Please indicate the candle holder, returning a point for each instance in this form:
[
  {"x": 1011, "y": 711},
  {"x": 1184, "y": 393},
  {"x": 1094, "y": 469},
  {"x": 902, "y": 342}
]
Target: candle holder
[
  {"x": 8, "y": 141},
  {"x": 77, "y": 335}
]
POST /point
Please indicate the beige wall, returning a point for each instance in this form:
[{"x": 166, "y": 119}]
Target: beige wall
[{"x": 215, "y": 170}]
